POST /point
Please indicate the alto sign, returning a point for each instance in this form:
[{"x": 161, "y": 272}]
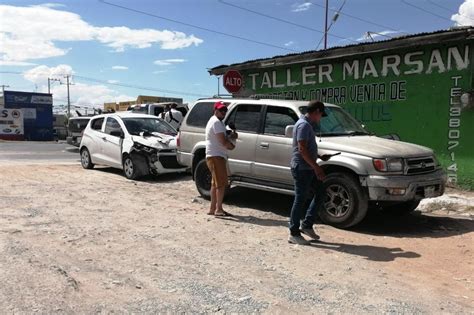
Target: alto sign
[{"x": 233, "y": 81}]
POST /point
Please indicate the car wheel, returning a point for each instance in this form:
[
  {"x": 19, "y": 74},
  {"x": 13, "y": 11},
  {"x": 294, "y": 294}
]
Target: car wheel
[
  {"x": 202, "y": 179},
  {"x": 130, "y": 167},
  {"x": 86, "y": 161},
  {"x": 402, "y": 208},
  {"x": 346, "y": 202}
]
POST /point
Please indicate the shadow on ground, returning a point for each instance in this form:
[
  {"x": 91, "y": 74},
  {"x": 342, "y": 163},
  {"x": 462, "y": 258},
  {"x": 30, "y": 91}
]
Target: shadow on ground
[
  {"x": 150, "y": 179},
  {"x": 380, "y": 223},
  {"x": 369, "y": 252},
  {"x": 416, "y": 224}
]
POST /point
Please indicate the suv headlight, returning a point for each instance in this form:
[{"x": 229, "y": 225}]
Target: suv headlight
[{"x": 388, "y": 165}]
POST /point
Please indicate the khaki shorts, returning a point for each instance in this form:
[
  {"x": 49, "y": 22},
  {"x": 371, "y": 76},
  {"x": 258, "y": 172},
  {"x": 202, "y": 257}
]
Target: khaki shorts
[{"x": 218, "y": 167}]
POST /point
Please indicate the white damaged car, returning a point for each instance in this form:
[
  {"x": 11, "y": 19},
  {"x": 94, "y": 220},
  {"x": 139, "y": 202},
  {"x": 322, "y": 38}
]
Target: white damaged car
[{"x": 138, "y": 144}]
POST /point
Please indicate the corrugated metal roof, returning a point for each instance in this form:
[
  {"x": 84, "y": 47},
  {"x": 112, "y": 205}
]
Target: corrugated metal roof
[{"x": 466, "y": 29}]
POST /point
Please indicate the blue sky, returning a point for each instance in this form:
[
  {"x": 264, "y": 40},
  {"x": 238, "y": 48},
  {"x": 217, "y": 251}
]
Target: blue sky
[{"x": 104, "y": 46}]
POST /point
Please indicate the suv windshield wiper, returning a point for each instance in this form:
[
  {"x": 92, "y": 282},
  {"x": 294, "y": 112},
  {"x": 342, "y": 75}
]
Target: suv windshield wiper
[
  {"x": 358, "y": 133},
  {"x": 348, "y": 133}
]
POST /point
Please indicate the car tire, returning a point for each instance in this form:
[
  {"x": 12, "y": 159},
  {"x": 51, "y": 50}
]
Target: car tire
[
  {"x": 86, "y": 160},
  {"x": 131, "y": 169},
  {"x": 346, "y": 203},
  {"x": 202, "y": 179},
  {"x": 402, "y": 208}
]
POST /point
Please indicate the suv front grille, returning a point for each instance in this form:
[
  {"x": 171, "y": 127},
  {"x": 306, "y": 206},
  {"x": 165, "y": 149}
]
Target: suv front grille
[{"x": 419, "y": 165}]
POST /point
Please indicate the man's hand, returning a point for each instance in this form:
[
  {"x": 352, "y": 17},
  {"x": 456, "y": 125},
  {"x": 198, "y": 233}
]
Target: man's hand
[
  {"x": 319, "y": 173},
  {"x": 233, "y": 135},
  {"x": 229, "y": 145}
]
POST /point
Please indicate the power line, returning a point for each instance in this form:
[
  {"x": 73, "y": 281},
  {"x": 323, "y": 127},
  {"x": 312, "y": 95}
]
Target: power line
[
  {"x": 449, "y": 10},
  {"x": 197, "y": 27},
  {"x": 426, "y": 11},
  {"x": 333, "y": 20},
  {"x": 361, "y": 19},
  {"x": 279, "y": 19}
]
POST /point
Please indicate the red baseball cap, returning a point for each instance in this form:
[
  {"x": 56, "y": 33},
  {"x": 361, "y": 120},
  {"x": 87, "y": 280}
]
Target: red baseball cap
[{"x": 219, "y": 105}]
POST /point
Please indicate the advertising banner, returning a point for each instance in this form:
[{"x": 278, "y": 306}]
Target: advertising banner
[{"x": 11, "y": 124}]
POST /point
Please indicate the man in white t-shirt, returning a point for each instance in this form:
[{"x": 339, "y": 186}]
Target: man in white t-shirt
[
  {"x": 217, "y": 144},
  {"x": 174, "y": 117}
]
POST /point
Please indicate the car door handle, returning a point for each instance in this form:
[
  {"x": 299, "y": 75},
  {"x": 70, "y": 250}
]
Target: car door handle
[
  {"x": 104, "y": 138},
  {"x": 264, "y": 145}
]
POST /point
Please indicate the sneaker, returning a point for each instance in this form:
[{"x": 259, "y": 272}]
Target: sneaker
[
  {"x": 311, "y": 233},
  {"x": 297, "y": 239}
]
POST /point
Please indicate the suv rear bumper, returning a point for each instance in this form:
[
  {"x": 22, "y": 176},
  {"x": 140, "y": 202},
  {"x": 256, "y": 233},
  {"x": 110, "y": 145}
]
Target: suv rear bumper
[
  {"x": 185, "y": 159},
  {"x": 416, "y": 186}
]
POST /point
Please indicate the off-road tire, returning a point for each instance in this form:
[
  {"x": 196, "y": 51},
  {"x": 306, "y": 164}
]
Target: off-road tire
[
  {"x": 202, "y": 179},
  {"x": 86, "y": 161},
  {"x": 346, "y": 203}
]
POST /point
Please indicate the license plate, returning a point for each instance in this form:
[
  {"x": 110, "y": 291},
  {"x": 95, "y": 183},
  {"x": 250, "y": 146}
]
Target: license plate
[{"x": 430, "y": 191}]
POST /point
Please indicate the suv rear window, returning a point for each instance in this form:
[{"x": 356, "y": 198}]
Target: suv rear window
[{"x": 200, "y": 114}]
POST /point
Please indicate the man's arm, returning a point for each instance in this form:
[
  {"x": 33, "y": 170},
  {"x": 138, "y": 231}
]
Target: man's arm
[
  {"x": 223, "y": 140},
  {"x": 303, "y": 149}
]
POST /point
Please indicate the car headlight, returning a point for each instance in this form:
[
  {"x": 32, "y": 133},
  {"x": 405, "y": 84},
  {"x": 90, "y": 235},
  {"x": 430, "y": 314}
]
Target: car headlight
[{"x": 388, "y": 165}]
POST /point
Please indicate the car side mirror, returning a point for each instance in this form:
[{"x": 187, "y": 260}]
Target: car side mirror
[
  {"x": 117, "y": 133},
  {"x": 289, "y": 131}
]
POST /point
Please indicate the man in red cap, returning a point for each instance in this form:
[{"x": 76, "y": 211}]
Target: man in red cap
[{"x": 217, "y": 144}]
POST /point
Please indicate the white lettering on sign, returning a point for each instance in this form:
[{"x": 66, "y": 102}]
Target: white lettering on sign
[
  {"x": 350, "y": 70},
  {"x": 454, "y": 124},
  {"x": 232, "y": 81},
  {"x": 411, "y": 63},
  {"x": 417, "y": 63}
]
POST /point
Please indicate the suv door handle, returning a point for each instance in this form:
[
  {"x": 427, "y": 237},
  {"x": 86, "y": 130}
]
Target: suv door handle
[
  {"x": 104, "y": 138},
  {"x": 264, "y": 145}
]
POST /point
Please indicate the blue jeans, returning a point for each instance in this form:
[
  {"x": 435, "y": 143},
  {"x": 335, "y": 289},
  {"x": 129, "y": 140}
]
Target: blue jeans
[{"x": 304, "y": 181}]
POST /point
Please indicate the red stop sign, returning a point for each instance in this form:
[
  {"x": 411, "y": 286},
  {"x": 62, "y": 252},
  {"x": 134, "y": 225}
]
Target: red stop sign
[{"x": 233, "y": 81}]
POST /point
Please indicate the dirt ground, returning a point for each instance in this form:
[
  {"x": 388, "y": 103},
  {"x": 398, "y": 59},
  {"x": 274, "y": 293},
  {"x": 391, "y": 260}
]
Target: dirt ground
[{"x": 91, "y": 241}]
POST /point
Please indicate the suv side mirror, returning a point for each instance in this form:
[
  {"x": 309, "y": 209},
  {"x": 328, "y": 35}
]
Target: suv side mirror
[
  {"x": 117, "y": 133},
  {"x": 289, "y": 131}
]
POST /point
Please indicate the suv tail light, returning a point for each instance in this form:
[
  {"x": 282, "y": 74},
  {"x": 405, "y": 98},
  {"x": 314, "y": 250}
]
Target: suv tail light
[{"x": 178, "y": 140}]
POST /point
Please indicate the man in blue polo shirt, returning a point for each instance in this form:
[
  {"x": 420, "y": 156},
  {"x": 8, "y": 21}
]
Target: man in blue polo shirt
[{"x": 306, "y": 172}]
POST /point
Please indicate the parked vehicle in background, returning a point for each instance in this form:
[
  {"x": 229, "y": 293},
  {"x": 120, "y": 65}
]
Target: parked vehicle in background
[
  {"x": 369, "y": 171},
  {"x": 75, "y": 128},
  {"x": 156, "y": 109},
  {"x": 136, "y": 143}
]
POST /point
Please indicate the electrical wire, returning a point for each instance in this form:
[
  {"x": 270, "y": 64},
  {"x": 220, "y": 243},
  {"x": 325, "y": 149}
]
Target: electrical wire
[
  {"x": 279, "y": 19},
  {"x": 426, "y": 11},
  {"x": 361, "y": 19},
  {"x": 197, "y": 26},
  {"x": 333, "y": 20}
]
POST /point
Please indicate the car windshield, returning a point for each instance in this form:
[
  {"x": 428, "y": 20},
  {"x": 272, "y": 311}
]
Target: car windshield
[
  {"x": 337, "y": 123},
  {"x": 136, "y": 125}
]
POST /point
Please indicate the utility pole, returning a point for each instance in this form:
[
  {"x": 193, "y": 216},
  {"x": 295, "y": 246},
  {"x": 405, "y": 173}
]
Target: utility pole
[
  {"x": 49, "y": 83},
  {"x": 3, "y": 88},
  {"x": 326, "y": 26},
  {"x": 68, "y": 76}
]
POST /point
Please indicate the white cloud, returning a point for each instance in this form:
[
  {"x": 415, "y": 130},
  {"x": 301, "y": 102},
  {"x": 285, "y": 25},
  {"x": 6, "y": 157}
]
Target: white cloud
[
  {"x": 465, "y": 15},
  {"x": 50, "y": 5},
  {"x": 120, "y": 68},
  {"x": 81, "y": 94},
  {"x": 290, "y": 43},
  {"x": 113, "y": 81},
  {"x": 301, "y": 7},
  {"x": 45, "y": 26},
  {"x": 16, "y": 63},
  {"x": 167, "y": 62},
  {"x": 159, "y": 71}
]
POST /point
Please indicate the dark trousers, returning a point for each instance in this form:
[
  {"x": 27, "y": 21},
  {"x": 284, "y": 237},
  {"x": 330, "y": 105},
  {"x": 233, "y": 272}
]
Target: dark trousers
[{"x": 304, "y": 181}]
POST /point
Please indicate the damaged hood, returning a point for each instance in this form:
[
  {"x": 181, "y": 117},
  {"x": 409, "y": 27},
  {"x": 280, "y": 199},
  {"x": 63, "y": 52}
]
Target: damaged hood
[
  {"x": 157, "y": 141},
  {"x": 373, "y": 146}
]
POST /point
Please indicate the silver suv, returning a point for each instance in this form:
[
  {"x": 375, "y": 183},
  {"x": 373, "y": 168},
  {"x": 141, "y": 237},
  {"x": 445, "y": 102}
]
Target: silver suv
[{"x": 370, "y": 171}]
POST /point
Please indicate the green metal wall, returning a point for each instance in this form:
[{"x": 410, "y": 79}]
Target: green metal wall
[{"x": 414, "y": 93}]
